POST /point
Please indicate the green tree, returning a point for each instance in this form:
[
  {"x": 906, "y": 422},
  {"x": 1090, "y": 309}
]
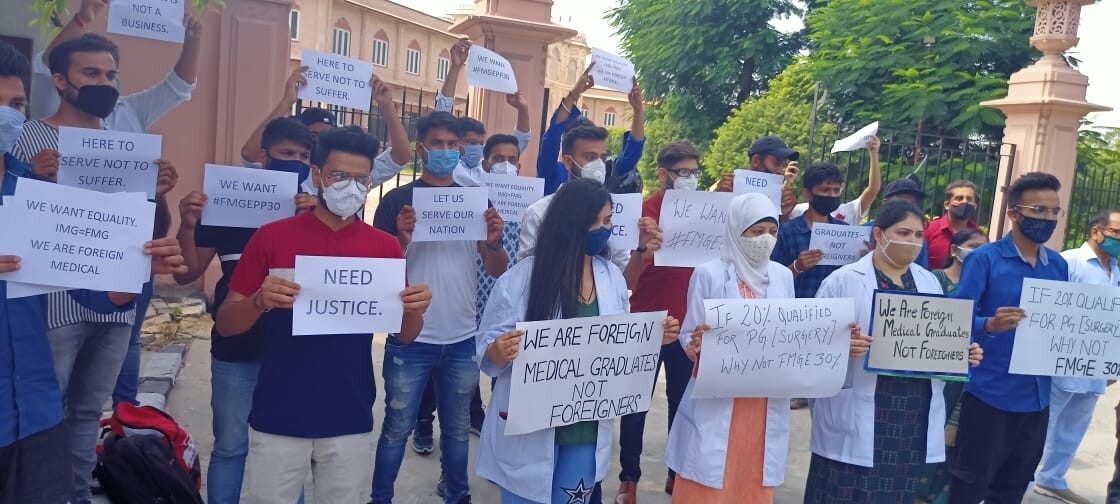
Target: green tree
[
  {"x": 1096, "y": 184},
  {"x": 932, "y": 61}
]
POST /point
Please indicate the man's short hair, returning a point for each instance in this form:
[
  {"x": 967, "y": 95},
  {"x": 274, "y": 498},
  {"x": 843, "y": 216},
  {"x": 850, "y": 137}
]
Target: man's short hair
[
  {"x": 821, "y": 173},
  {"x": 582, "y": 132},
  {"x": 496, "y": 140},
  {"x": 957, "y": 184},
  {"x": 1101, "y": 218},
  {"x": 348, "y": 139},
  {"x": 284, "y": 129},
  {"x": 59, "y": 59},
  {"x": 676, "y": 152},
  {"x": 1033, "y": 181},
  {"x": 12, "y": 62},
  {"x": 470, "y": 125},
  {"x": 315, "y": 115},
  {"x": 437, "y": 120}
]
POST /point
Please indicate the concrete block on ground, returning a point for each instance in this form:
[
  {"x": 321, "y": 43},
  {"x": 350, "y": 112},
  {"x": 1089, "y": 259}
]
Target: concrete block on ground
[
  {"x": 153, "y": 400},
  {"x": 161, "y": 387},
  {"x": 162, "y": 366},
  {"x": 174, "y": 349}
]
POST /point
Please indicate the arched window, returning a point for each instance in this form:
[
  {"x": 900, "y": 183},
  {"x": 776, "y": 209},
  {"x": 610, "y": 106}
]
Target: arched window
[
  {"x": 573, "y": 73},
  {"x": 554, "y": 65},
  {"x": 443, "y": 65},
  {"x": 381, "y": 49},
  {"x": 341, "y": 44},
  {"x": 412, "y": 59},
  {"x": 609, "y": 117}
]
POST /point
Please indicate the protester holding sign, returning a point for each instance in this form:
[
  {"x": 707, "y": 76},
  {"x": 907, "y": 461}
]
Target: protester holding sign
[
  {"x": 732, "y": 450},
  {"x": 853, "y": 211},
  {"x": 872, "y": 441},
  {"x": 314, "y": 396},
  {"x": 771, "y": 155},
  {"x": 961, "y": 201},
  {"x": 823, "y": 183},
  {"x": 1003, "y": 416},
  {"x": 569, "y": 277}
]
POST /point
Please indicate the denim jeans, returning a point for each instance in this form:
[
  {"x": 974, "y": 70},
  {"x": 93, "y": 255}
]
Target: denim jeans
[
  {"x": 1114, "y": 485},
  {"x": 231, "y": 398},
  {"x": 1070, "y": 414},
  {"x": 427, "y": 415},
  {"x": 87, "y": 359},
  {"x": 678, "y": 369},
  {"x": 128, "y": 383},
  {"x": 406, "y": 371}
]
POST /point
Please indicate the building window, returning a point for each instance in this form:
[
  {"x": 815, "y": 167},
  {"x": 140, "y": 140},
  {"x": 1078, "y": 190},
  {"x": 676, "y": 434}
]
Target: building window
[
  {"x": 293, "y": 24},
  {"x": 442, "y": 68},
  {"x": 341, "y": 42},
  {"x": 608, "y": 118},
  {"x": 380, "y": 52},
  {"x": 412, "y": 62}
]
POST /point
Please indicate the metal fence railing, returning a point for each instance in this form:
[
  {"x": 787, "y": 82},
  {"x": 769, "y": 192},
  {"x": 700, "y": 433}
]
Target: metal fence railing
[{"x": 1094, "y": 189}]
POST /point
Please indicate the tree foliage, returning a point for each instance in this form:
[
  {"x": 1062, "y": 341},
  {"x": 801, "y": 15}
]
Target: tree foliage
[{"x": 1096, "y": 184}]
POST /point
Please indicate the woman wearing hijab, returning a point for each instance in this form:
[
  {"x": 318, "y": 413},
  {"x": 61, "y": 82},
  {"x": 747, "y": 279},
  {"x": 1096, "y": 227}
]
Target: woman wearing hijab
[
  {"x": 732, "y": 450},
  {"x": 569, "y": 276},
  {"x": 871, "y": 442}
]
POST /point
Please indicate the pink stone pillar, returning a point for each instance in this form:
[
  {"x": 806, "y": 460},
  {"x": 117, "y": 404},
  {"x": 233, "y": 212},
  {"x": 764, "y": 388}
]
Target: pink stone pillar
[{"x": 1044, "y": 106}]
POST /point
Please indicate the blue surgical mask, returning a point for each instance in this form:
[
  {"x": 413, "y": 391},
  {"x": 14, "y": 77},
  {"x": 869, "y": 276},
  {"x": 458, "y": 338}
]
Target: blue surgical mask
[
  {"x": 11, "y": 125},
  {"x": 472, "y": 155},
  {"x": 597, "y": 240},
  {"x": 442, "y": 163},
  {"x": 1037, "y": 230}
]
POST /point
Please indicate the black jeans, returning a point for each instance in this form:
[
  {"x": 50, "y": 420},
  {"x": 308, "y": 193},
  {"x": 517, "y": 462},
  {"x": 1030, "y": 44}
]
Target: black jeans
[
  {"x": 426, "y": 415},
  {"x": 37, "y": 468},
  {"x": 1114, "y": 486},
  {"x": 997, "y": 453}
]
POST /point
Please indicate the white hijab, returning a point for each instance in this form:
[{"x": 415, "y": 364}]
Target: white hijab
[{"x": 745, "y": 211}]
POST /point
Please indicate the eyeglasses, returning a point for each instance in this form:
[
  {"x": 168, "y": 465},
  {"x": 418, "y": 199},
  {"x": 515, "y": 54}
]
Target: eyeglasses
[
  {"x": 1114, "y": 231},
  {"x": 340, "y": 178},
  {"x": 686, "y": 173},
  {"x": 1042, "y": 211}
]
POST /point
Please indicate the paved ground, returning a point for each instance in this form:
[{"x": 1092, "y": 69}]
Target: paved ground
[{"x": 190, "y": 404}]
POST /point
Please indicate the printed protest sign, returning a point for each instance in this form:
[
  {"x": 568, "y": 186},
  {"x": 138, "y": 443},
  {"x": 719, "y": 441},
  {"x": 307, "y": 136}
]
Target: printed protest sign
[
  {"x": 1070, "y": 330},
  {"x": 857, "y": 140},
  {"x": 693, "y": 224},
  {"x": 247, "y": 198},
  {"x": 76, "y": 238},
  {"x": 612, "y": 71},
  {"x": 487, "y": 69},
  {"x": 842, "y": 244},
  {"x": 627, "y": 210},
  {"x": 774, "y": 348},
  {"x": 920, "y": 333},
  {"x": 449, "y": 213},
  {"x": 767, "y": 184},
  {"x": 109, "y": 161},
  {"x": 348, "y": 295},
  {"x": 575, "y": 370},
  {"x": 336, "y": 80},
  {"x": 511, "y": 194},
  {"x": 150, "y": 19}
]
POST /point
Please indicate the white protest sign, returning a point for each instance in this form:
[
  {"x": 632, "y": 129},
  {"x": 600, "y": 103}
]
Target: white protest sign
[
  {"x": 336, "y": 80},
  {"x": 20, "y": 290},
  {"x": 575, "y": 370},
  {"x": 842, "y": 244},
  {"x": 109, "y": 161},
  {"x": 767, "y": 184},
  {"x": 774, "y": 348},
  {"x": 627, "y": 210},
  {"x": 150, "y": 19},
  {"x": 449, "y": 213},
  {"x": 857, "y": 140},
  {"x": 612, "y": 71},
  {"x": 1070, "y": 330},
  {"x": 348, "y": 295},
  {"x": 79, "y": 239},
  {"x": 512, "y": 194},
  {"x": 247, "y": 198},
  {"x": 920, "y": 333},
  {"x": 693, "y": 224},
  {"x": 487, "y": 69}
]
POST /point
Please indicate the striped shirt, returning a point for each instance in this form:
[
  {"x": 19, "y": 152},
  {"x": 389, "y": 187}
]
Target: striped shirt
[{"x": 62, "y": 309}]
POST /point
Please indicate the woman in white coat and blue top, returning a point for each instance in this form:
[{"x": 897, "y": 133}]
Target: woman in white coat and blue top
[
  {"x": 871, "y": 441},
  {"x": 569, "y": 276},
  {"x": 732, "y": 450}
]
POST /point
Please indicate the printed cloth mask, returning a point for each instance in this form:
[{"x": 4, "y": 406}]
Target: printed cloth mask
[
  {"x": 597, "y": 240},
  {"x": 757, "y": 249}
]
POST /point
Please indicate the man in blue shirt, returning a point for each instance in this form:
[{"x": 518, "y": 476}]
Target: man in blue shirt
[
  {"x": 823, "y": 184},
  {"x": 1003, "y": 416}
]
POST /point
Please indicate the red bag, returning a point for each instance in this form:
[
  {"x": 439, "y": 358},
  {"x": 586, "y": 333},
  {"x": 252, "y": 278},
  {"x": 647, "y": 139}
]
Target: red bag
[{"x": 129, "y": 420}]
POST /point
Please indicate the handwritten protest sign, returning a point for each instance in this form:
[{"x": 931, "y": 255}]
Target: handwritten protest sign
[
  {"x": 920, "y": 333},
  {"x": 612, "y": 71},
  {"x": 575, "y": 370},
  {"x": 857, "y": 140},
  {"x": 487, "y": 69},
  {"x": 247, "y": 198},
  {"x": 842, "y": 244},
  {"x": 449, "y": 213},
  {"x": 348, "y": 295},
  {"x": 150, "y": 19},
  {"x": 512, "y": 194},
  {"x": 1070, "y": 330},
  {"x": 336, "y": 80},
  {"x": 767, "y": 184},
  {"x": 774, "y": 348},
  {"x": 627, "y": 210},
  {"x": 693, "y": 224},
  {"x": 109, "y": 161},
  {"x": 76, "y": 238}
]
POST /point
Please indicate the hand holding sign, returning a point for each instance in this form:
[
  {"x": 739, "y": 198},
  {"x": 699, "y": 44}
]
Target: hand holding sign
[
  {"x": 45, "y": 164},
  {"x": 861, "y": 343},
  {"x": 336, "y": 80},
  {"x": 295, "y": 82},
  {"x": 190, "y": 209},
  {"x": 406, "y": 224},
  {"x": 494, "y": 227},
  {"x": 167, "y": 178},
  {"x": 276, "y": 292},
  {"x": 1005, "y": 319},
  {"x": 650, "y": 236},
  {"x": 9, "y": 263},
  {"x": 767, "y": 184},
  {"x": 612, "y": 71},
  {"x": 504, "y": 349},
  {"x": 167, "y": 257},
  {"x": 150, "y": 19},
  {"x": 857, "y": 140},
  {"x": 626, "y": 213},
  {"x": 487, "y": 69},
  {"x": 450, "y": 213},
  {"x": 416, "y": 299},
  {"x": 921, "y": 334}
]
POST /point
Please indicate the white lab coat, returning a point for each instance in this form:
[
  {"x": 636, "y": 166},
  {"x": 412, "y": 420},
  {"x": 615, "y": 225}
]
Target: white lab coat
[
  {"x": 523, "y": 464},
  {"x": 844, "y": 425},
  {"x": 697, "y": 445}
]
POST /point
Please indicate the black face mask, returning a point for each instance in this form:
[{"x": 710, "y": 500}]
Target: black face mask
[
  {"x": 963, "y": 212},
  {"x": 825, "y": 205},
  {"x": 97, "y": 100}
]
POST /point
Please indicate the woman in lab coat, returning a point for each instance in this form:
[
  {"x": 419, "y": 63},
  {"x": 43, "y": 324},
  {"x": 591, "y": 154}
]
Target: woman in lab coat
[
  {"x": 570, "y": 276},
  {"x": 732, "y": 450},
  {"x": 871, "y": 441}
]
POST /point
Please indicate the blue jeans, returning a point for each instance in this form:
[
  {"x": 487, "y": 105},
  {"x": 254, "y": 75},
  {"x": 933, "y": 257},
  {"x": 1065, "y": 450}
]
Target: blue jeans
[
  {"x": 406, "y": 371},
  {"x": 128, "y": 383},
  {"x": 1070, "y": 413},
  {"x": 231, "y": 398}
]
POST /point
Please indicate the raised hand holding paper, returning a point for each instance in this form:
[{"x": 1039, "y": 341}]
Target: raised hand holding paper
[
  {"x": 857, "y": 140},
  {"x": 512, "y": 194},
  {"x": 1071, "y": 329},
  {"x": 842, "y": 244},
  {"x": 150, "y": 19},
  {"x": 768, "y": 184},
  {"x": 693, "y": 227},
  {"x": 449, "y": 213},
  {"x": 336, "y": 80},
  {"x": 109, "y": 161},
  {"x": 920, "y": 333},
  {"x": 244, "y": 198},
  {"x": 348, "y": 295},
  {"x": 487, "y": 69},
  {"x": 612, "y": 71},
  {"x": 627, "y": 210}
]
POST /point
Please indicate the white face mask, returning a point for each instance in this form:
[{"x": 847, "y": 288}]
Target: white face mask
[
  {"x": 595, "y": 170},
  {"x": 686, "y": 183},
  {"x": 503, "y": 168},
  {"x": 962, "y": 252},
  {"x": 344, "y": 198},
  {"x": 758, "y": 248}
]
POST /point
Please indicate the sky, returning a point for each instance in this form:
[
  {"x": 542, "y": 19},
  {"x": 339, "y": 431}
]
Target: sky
[{"x": 1097, "y": 21}]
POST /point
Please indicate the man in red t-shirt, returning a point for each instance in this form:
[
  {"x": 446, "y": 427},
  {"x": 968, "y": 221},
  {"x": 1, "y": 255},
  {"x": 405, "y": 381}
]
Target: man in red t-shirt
[{"x": 960, "y": 211}]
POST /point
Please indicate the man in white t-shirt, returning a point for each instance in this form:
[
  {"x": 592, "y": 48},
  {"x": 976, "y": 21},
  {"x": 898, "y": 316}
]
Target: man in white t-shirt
[{"x": 853, "y": 211}]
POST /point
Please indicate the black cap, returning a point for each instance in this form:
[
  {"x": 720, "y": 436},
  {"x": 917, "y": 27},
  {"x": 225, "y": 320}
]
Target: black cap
[
  {"x": 904, "y": 185},
  {"x": 317, "y": 115},
  {"x": 773, "y": 146}
]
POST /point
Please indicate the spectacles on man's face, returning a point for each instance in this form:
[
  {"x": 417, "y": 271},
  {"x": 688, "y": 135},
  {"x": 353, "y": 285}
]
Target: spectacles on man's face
[
  {"x": 686, "y": 173},
  {"x": 1041, "y": 211},
  {"x": 1113, "y": 232},
  {"x": 340, "y": 179}
]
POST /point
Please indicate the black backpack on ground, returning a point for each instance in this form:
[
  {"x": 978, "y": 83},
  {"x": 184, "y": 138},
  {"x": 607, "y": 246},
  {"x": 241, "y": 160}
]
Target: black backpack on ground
[{"x": 142, "y": 469}]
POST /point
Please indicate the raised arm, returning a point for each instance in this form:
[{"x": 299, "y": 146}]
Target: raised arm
[
  {"x": 445, "y": 99},
  {"x": 87, "y": 13},
  {"x": 638, "y": 123},
  {"x": 874, "y": 178},
  {"x": 251, "y": 151},
  {"x": 195, "y": 257},
  {"x": 187, "y": 65},
  {"x": 398, "y": 136}
]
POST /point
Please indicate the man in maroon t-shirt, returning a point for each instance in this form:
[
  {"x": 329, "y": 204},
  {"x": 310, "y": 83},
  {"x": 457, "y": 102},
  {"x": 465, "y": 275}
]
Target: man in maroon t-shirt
[{"x": 960, "y": 213}]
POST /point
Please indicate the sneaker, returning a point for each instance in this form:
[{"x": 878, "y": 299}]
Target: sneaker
[
  {"x": 423, "y": 445},
  {"x": 441, "y": 488},
  {"x": 1065, "y": 495},
  {"x": 627, "y": 493}
]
